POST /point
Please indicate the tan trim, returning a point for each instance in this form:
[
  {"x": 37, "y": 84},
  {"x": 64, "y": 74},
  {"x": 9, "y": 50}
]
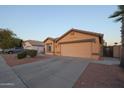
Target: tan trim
[
  {"x": 48, "y": 43},
  {"x": 78, "y": 41}
]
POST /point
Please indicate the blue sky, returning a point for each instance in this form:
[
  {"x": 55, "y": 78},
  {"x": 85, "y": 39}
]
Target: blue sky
[{"x": 39, "y": 22}]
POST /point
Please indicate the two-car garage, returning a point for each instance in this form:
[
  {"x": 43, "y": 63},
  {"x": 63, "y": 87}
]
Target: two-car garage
[{"x": 82, "y": 49}]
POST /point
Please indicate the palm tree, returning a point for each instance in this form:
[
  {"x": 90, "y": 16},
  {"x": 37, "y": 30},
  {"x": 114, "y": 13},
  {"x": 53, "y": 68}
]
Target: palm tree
[{"x": 119, "y": 15}]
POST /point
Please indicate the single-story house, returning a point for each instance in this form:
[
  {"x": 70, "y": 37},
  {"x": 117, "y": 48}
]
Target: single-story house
[
  {"x": 76, "y": 43},
  {"x": 33, "y": 44}
]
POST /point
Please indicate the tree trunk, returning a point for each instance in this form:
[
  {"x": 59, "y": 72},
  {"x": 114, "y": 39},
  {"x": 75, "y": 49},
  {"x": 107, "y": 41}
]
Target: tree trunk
[{"x": 122, "y": 40}]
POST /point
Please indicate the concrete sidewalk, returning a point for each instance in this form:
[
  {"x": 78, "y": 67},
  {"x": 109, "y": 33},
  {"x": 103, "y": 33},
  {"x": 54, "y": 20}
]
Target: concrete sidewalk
[{"x": 8, "y": 79}]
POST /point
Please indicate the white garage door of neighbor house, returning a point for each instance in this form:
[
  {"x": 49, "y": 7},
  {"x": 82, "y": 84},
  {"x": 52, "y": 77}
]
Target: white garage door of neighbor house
[{"x": 76, "y": 50}]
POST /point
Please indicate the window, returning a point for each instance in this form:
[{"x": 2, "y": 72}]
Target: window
[{"x": 49, "y": 48}]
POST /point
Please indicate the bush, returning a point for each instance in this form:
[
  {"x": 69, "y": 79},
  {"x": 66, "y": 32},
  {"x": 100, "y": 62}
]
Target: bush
[
  {"x": 31, "y": 53},
  {"x": 21, "y": 55}
]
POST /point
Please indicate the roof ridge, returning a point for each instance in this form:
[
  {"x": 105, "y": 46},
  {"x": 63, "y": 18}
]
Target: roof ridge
[
  {"x": 77, "y": 30},
  {"x": 81, "y": 31},
  {"x": 86, "y": 31}
]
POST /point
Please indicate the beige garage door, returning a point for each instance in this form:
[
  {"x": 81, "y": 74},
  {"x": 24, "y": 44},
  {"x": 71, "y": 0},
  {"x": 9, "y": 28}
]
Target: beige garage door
[{"x": 76, "y": 50}]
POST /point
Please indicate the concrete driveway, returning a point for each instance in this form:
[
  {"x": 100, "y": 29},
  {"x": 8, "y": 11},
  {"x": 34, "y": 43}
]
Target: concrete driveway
[{"x": 55, "y": 72}]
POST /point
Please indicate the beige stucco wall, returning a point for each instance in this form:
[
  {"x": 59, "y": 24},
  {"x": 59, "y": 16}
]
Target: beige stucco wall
[
  {"x": 27, "y": 45},
  {"x": 49, "y": 41},
  {"x": 75, "y": 36},
  {"x": 83, "y": 49},
  {"x": 95, "y": 47},
  {"x": 57, "y": 49}
]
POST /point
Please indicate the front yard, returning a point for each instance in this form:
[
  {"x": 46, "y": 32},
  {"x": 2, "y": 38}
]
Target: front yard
[
  {"x": 99, "y": 75},
  {"x": 67, "y": 72},
  {"x": 12, "y": 60}
]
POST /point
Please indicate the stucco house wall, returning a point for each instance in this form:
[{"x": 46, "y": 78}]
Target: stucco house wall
[
  {"x": 28, "y": 45},
  {"x": 73, "y": 36},
  {"x": 52, "y": 44},
  {"x": 76, "y": 44}
]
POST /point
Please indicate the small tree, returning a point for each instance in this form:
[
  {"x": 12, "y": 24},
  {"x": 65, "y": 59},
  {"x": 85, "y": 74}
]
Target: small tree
[
  {"x": 8, "y": 39},
  {"x": 17, "y": 42}
]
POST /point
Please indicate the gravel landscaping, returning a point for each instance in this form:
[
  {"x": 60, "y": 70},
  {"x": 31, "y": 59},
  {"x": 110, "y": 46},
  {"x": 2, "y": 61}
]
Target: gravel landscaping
[
  {"x": 12, "y": 60},
  {"x": 101, "y": 76}
]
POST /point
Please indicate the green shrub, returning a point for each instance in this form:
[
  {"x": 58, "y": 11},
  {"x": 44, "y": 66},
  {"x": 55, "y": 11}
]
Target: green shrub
[
  {"x": 21, "y": 55},
  {"x": 31, "y": 53}
]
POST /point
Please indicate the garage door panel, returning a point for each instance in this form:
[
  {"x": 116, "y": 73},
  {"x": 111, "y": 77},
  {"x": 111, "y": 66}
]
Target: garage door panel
[{"x": 76, "y": 50}]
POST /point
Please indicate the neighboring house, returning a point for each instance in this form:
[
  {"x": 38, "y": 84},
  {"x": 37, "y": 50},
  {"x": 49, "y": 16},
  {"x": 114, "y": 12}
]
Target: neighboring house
[
  {"x": 76, "y": 43},
  {"x": 35, "y": 45}
]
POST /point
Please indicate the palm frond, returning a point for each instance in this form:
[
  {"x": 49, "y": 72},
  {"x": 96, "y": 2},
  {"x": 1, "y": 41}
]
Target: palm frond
[
  {"x": 121, "y": 7},
  {"x": 118, "y": 19},
  {"x": 115, "y": 14}
]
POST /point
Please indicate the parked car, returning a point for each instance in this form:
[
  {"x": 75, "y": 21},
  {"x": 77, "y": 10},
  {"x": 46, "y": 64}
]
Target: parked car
[{"x": 13, "y": 50}]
